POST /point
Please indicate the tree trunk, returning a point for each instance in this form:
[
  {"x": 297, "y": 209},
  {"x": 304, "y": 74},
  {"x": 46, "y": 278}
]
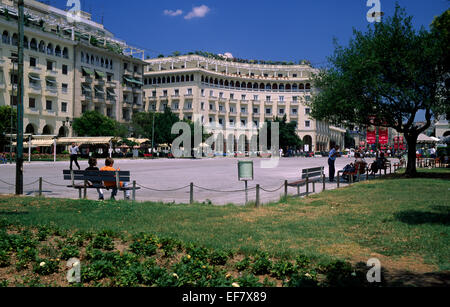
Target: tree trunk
[{"x": 411, "y": 170}]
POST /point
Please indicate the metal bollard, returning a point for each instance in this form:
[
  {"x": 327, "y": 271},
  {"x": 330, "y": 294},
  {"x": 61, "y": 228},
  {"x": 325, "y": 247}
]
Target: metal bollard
[
  {"x": 285, "y": 188},
  {"x": 257, "y": 195},
  {"x": 134, "y": 191},
  {"x": 324, "y": 184},
  {"x": 307, "y": 186},
  {"x": 191, "y": 200},
  {"x": 40, "y": 186},
  {"x": 338, "y": 180}
]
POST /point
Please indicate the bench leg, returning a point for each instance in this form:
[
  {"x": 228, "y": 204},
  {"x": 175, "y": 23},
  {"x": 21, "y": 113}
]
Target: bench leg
[
  {"x": 298, "y": 190},
  {"x": 79, "y": 193},
  {"x": 314, "y": 187}
]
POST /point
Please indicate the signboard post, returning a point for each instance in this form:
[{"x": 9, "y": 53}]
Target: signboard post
[{"x": 245, "y": 173}]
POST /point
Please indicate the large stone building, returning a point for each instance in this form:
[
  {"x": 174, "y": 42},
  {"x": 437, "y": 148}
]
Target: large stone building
[
  {"x": 71, "y": 65},
  {"x": 225, "y": 94}
]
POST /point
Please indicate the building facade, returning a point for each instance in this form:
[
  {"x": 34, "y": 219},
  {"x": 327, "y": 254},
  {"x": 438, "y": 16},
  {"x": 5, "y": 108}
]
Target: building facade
[
  {"x": 223, "y": 95},
  {"x": 71, "y": 65}
]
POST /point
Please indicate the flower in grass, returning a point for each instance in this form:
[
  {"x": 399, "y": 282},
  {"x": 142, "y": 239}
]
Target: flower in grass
[
  {"x": 228, "y": 275},
  {"x": 188, "y": 256},
  {"x": 235, "y": 285},
  {"x": 308, "y": 275},
  {"x": 42, "y": 264},
  {"x": 175, "y": 275}
]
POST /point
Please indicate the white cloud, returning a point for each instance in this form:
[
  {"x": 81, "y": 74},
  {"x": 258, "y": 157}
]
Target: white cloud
[
  {"x": 198, "y": 12},
  {"x": 173, "y": 13}
]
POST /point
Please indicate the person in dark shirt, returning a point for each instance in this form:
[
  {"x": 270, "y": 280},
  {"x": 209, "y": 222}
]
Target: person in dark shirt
[{"x": 93, "y": 167}]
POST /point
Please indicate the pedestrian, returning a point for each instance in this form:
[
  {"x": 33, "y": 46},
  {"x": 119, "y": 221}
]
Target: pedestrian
[
  {"x": 74, "y": 151},
  {"x": 93, "y": 167},
  {"x": 3, "y": 159},
  {"x": 332, "y": 161},
  {"x": 109, "y": 163}
]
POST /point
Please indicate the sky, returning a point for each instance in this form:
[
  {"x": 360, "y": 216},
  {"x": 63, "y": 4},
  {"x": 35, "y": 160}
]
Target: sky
[{"x": 282, "y": 30}]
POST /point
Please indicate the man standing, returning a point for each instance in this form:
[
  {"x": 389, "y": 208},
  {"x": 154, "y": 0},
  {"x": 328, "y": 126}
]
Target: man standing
[
  {"x": 332, "y": 161},
  {"x": 74, "y": 151}
]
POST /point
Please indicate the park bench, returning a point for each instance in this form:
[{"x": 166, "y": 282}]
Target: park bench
[
  {"x": 96, "y": 179},
  {"x": 400, "y": 164},
  {"x": 309, "y": 175},
  {"x": 357, "y": 171}
]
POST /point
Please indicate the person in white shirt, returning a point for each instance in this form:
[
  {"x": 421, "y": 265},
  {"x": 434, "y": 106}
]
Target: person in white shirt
[{"x": 74, "y": 151}]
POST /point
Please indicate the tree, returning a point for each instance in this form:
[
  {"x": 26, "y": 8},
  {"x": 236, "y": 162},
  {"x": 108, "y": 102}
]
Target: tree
[
  {"x": 6, "y": 115},
  {"x": 288, "y": 133},
  {"x": 142, "y": 124},
  {"x": 94, "y": 124},
  {"x": 384, "y": 78}
]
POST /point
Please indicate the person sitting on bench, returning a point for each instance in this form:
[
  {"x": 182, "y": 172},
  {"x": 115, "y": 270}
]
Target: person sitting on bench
[
  {"x": 109, "y": 163},
  {"x": 93, "y": 167}
]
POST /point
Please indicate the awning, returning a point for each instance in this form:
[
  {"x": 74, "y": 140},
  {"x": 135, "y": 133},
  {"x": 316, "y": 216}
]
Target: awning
[
  {"x": 53, "y": 82},
  {"x": 88, "y": 71},
  {"x": 100, "y": 74},
  {"x": 111, "y": 93},
  {"x": 99, "y": 91},
  {"x": 37, "y": 143},
  {"x": 128, "y": 79},
  {"x": 84, "y": 140},
  {"x": 87, "y": 89},
  {"x": 423, "y": 138},
  {"x": 34, "y": 78},
  {"x": 137, "y": 82}
]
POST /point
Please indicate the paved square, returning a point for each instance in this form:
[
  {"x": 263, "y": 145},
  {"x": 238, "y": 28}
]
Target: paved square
[{"x": 213, "y": 174}]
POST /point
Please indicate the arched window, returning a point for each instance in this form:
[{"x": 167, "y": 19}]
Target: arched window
[
  {"x": 243, "y": 85},
  {"x": 192, "y": 78},
  {"x": 5, "y": 37},
  {"x": 294, "y": 87},
  {"x": 65, "y": 53},
  {"x": 227, "y": 83},
  {"x": 203, "y": 78},
  {"x": 274, "y": 86},
  {"x": 187, "y": 78},
  {"x": 92, "y": 60},
  {"x": 261, "y": 86},
  {"x": 249, "y": 85},
  {"x": 30, "y": 129},
  {"x": 42, "y": 46},
  {"x": 182, "y": 78},
  {"x": 33, "y": 44},
  {"x": 82, "y": 57},
  {"x": 173, "y": 79},
  {"x": 255, "y": 85},
  {"x": 50, "y": 49},
  {"x": 288, "y": 87},
  {"x": 102, "y": 62},
  {"x": 154, "y": 80},
  {"x": 48, "y": 130},
  {"x": 159, "y": 80},
  {"x": 164, "y": 80},
  {"x": 216, "y": 81},
  {"x": 238, "y": 84},
  {"x": 281, "y": 87},
  {"x": 111, "y": 64},
  {"x": 232, "y": 83},
  {"x": 268, "y": 87},
  {"x": 211, "y": 81},
  {"x": 145, "y": 81},
  {"x": 25, "y": 42},
  {"x": 97, "y": 61},
  {"x": 301, "y": 86},
  {"x": 58, "y": 51},
  {"x": 308, "y": 86},
  {"x": 15, "y": 40}
]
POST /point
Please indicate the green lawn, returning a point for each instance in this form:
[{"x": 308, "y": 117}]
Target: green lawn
[{"x": 403, "y": 222}]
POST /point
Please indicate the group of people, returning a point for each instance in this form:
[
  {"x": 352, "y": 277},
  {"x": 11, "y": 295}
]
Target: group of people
[
  {"x": 3, "y": 159},
  {"x": 109, "y": 163},
  {"x": 359, "y": 163}
]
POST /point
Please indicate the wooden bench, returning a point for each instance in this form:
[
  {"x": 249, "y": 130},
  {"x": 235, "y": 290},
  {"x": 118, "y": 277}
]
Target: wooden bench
[
  {"x": 96, "y": 179},
  {"x": 400, "y": 164},
  {"x": 309, "y": 175},
  {"x": 359, "y": 169}
]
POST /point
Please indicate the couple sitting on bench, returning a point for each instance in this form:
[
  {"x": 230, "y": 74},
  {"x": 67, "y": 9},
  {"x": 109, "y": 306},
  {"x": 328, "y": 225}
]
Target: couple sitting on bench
[{"x": 109, "y": 163}]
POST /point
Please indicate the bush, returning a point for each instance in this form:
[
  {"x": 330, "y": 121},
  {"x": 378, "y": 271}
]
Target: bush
[
  {"x": 46, "y": 267},
  {"x": 219, "y": 257},
  {"x": 144, "y": 245},
  {"x": 342, "y": 274},
  {"x": 261, "y": 265},
  {"x": 243, "y": 265},
  {"x": 69, "y": 251},
  {"x": 249, "y": 281},
  {"x": 302, "y": 280},
  {"x": 283, "y": 269},
  {"x": 103, "y": 241},
  {"x": 4, "y": 259}
]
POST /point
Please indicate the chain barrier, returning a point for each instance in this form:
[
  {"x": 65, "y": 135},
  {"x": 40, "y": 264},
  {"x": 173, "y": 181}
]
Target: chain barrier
[
  {"x": 25, "y": 185},
  {"x": 54, "y": 184},
  {"x": 157, "y": 190},
  {"x": 7, "y": 183},
  {"x": 269, "y": 191},
  {"x": 217, "y": 191}
]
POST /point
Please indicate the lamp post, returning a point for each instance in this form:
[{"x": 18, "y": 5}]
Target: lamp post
[
  {"x": 19, "y": 159},
  {"x": 14, "y": 60}
]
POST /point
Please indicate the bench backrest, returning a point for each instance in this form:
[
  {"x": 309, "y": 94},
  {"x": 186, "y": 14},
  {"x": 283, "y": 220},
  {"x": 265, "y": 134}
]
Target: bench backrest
[
  {"x": 98, "y": 176},
  {"x": 312, "y": 172}
]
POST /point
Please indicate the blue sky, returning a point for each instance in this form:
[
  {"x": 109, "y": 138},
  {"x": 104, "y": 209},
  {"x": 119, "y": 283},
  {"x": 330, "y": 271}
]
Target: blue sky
[{"x": 283, "y": 30}]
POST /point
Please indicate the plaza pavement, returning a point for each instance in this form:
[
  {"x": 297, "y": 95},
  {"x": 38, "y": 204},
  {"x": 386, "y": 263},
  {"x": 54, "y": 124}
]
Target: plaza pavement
[{"x": 167, "y": 174}]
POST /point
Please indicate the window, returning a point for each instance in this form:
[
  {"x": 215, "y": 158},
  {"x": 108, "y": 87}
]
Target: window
[
  {"x": 244, "y": 110},
  {"x": 64, "y": 69},
  {"x": 243, "y": 97},
  {"x": 189, "y": 91},
  {"x": 211, "y": 107},
  {"x": 280, "y": 75},
  {"x": 231, "y": 96},
  {"x": 268, "y": 111},
  {"x": 308, "y": 98},
  {"x": 49, "y": 65},
  {"x": 220, "y": 95},
  {"x": 13, "y": 100},
  {"x": 48, "y": 105},
  {"x": 202, "y": 105},
  {"x": 210, "y": 119},
  {"x": 307, "y": 111},
  {"x": 64, "y": 107},
  {"x": 294, "y": 75},
  {"x": 281, "y": 98},
  {"x": 64, "y": 87},
  {"x": 33, "y": 62},
  {"x": 109, "y": 112},
  {"x": 294, "y": 98},
  {"x": 154, "y": 93},
  {"x": 203, "y": 93},
  {"x": 32, "y": 103},
  {"x": 267, "y": 98},
  {"x": 294, "y": 111},
  {"x": 83, "y": 108},
  {"x": 177, "y": 92},
  {"x": 125, "y": 66},
  {"x": 243, "y": 122},
  {"x": 165, "y": 93},
  {"x": 281, "y": 111},
  {"x": 307, "y": 124},
  {"x": 220, "y": 121},
  {"x": 255, "y": 110},
  {"x": 255, "y": 97},
  {"x": 109, "y": 77},
  {"x": 211, "y": 93}
]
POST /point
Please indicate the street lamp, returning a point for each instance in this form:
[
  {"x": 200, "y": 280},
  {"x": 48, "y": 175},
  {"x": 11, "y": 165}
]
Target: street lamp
[{"x": 14, "y": 60}]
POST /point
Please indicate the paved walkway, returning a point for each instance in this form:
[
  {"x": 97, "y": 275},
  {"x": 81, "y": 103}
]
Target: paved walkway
[{"x": 213, "y": 174}]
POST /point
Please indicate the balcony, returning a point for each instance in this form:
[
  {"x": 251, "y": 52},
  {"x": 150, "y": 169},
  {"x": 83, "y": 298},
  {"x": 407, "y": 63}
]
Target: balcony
[
  {"x": 99, "y": 99},
  {"x": 51, "y": 91},
  {"x": 244, "y": 101},
  {"x": 268, "y": 102},
  {"x": 212, "y": 97},
  {"x": 164, "y": 97},
  {"x": 189, "y": 96},
  {"x": 281, "y": 102},
  {"x": 35, "y": 89},
  {"x": 244, "y": 114},
  {"x": 175, "y": 97},
  {"x": 268, "y": 114},
  {"x": 232, "y": 100},
  {"x": 152, "y": 99}
]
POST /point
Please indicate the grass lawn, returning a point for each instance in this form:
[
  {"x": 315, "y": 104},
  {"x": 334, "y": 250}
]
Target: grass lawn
[{"x": 402, "y": 222}]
